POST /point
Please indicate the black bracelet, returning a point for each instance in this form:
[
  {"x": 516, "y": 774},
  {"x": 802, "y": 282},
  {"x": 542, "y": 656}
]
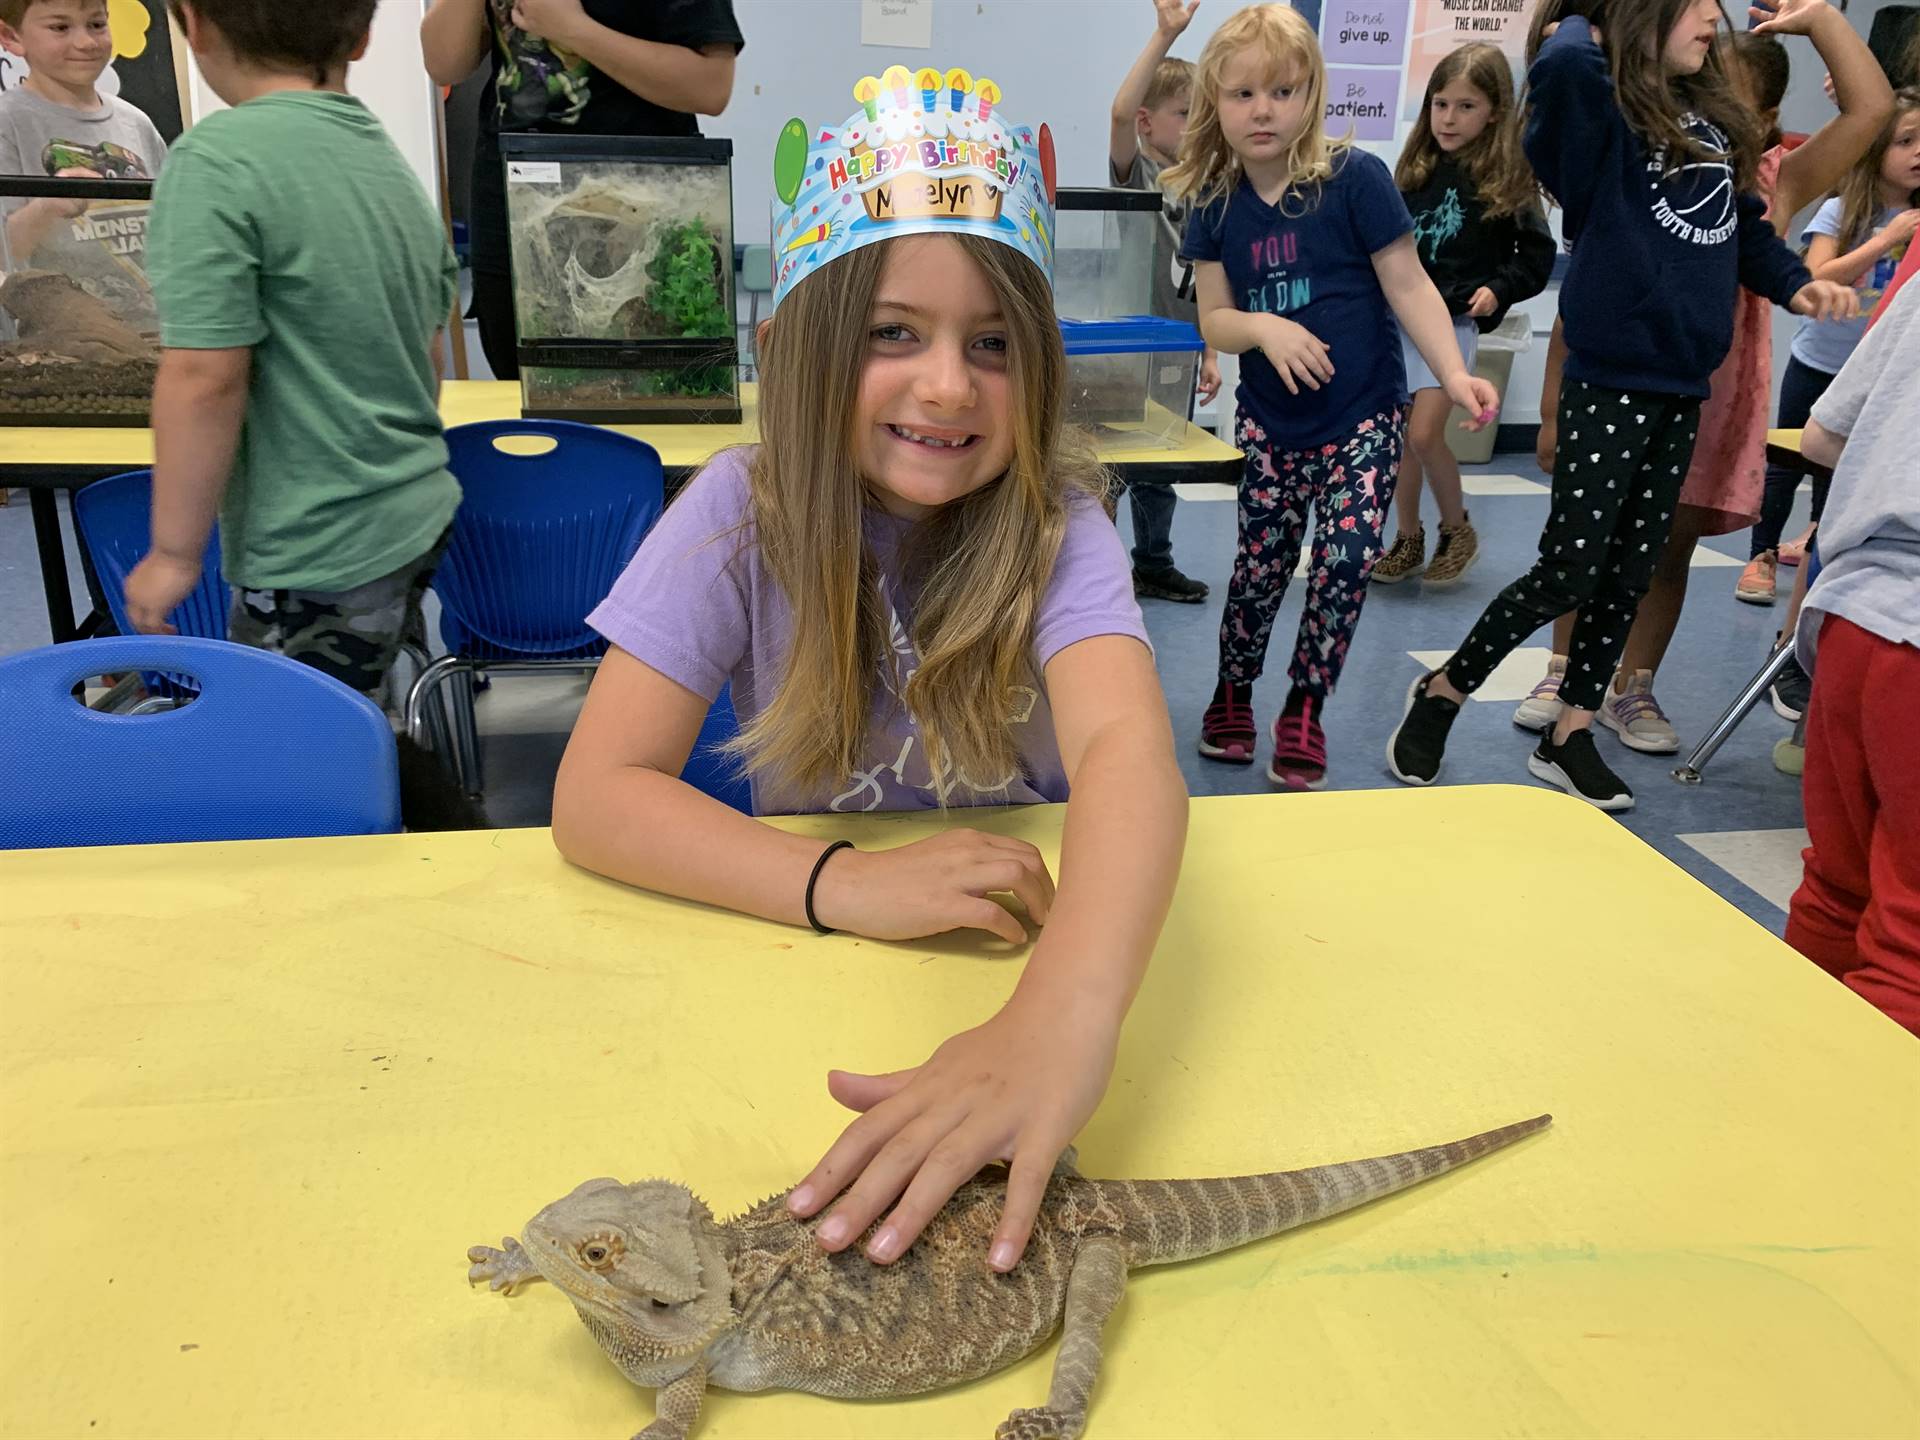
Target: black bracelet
[{"x": 834, "y": 849}]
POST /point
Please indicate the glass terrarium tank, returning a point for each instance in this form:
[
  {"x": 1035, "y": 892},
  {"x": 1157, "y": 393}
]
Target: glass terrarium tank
[
  {"x": 1130, "y": 381},
  {"x": 622, "y": 253},
  {"x": 79, "y": 337},
  {"x": 1103, "y": 253}
]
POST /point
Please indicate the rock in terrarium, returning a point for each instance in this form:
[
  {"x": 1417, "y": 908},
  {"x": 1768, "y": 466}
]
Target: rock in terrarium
[{"x": 69, "y": 356}]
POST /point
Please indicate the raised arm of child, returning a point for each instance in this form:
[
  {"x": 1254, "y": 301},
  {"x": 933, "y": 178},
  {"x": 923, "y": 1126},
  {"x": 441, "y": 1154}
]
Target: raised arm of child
[
  {"x": 1171, "y": 18},
  {"x": 1424, "y": 316},
  {"x": 1860, "y": 89}
]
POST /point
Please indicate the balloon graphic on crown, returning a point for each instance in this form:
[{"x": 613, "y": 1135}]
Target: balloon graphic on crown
[{"x": 927, "y": 152}]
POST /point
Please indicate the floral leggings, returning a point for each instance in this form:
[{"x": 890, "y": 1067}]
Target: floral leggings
[{"x": 1349, "y": 486}]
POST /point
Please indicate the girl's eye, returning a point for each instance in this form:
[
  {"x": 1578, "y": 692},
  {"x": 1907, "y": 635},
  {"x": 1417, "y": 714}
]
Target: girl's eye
[
  {"x": 891, "y": 333},
  {"x": 996, "y": 344}
]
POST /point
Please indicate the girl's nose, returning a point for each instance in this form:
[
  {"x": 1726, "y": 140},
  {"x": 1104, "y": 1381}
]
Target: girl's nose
[{"x": 944, "y": 379}]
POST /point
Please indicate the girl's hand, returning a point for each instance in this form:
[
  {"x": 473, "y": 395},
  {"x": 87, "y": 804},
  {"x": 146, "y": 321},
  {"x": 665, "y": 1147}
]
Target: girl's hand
[
  {"x": 1209, "y": 378},
  {"x": 1824, "y": 300},
  {"x": 1171, "y": 17},
  {"x": 1476, "y": 396},
  {"x": 1899, "y": 230},
  {"x": 934, "y": 885},
  {"x": 1483, "y": 303},
  {"x": 1785, "y": 17},
  {"x": 1297, "y": 353},
  {"x": 1017, "y": 1088}
]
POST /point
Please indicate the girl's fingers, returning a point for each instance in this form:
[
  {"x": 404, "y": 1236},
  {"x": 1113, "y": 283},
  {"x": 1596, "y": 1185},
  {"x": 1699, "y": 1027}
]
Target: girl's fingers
[
  {"x": 863, "y": 1092},
  {"x": 1026, "y": 1187},
  {"x": 849, "y": 1155},
  {"x": 974, "y": 912},
  {"x": 879, "y": 1182},
  {"x": 953, "y": 1161},
  {"x": 1027, "y": 880}
]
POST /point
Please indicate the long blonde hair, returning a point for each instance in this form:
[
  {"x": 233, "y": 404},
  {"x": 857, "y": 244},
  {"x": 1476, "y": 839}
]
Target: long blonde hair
[
  {"x": 979, "y": 565},
  {"x": 1208, "y": 167},
  {"x": 1499, "y": 171}
]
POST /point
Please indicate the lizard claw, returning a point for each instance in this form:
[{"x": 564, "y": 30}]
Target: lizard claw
[{"x": 502, "y": 1269}]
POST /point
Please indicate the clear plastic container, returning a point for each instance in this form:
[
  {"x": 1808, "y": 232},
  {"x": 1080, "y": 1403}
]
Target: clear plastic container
[
  {"x": 623, "y": 280},
  {"x": 79, "y": 336},
  {"x": 1130, "y": 381},
  {"x": 1103, "y": 252}
]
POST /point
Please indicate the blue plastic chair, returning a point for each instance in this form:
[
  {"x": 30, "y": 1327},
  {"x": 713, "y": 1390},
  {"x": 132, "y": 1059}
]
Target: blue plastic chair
[
  {"x": 711, "y": 772},
  {"x": 114, "y": 520},
  {"x": 537, "y": 542},
  {"x": 270, "y": 748}
]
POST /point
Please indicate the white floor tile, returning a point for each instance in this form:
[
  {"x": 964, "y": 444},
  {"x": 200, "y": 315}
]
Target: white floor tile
[
  {"x": 1767, "y": 862},
  {"x": 1513, "y": 679},
  {"x": 530, "y": 704},
  {"x": 1706, "y": 557},
  {"x": 1204, "y": 491},
  {"x": 1484, "y": 483}
]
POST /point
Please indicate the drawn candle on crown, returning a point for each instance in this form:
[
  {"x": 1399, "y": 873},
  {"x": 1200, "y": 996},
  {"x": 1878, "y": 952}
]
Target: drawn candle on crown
[
  {"x": 866, "y": 92},
  {"x": 959, "y": 86},
  {"x": 929, "y": 82},
  {"x": 987, "y": 92},
  {"x": 897, "y": 80}
]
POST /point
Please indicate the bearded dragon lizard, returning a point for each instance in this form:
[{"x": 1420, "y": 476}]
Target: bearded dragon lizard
[{"x": 680, "y": 1301}]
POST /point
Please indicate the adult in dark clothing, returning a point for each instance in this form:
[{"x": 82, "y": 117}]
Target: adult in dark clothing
[{"x": 585, "y": 67}]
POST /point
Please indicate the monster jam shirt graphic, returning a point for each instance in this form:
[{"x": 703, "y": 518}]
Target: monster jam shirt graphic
[{"x": 1694, "y": 201}]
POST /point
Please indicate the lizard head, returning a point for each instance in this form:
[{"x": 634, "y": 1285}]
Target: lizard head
[{"x": 644, "y": 1267}]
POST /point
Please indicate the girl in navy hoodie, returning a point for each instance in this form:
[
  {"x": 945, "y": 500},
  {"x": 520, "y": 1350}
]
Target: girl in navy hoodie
[{"x": 1643, "y": 140}]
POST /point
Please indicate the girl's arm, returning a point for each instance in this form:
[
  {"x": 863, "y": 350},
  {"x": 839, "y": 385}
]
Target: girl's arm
[
  {"x": 1295, "y": 351},
  {"x": 1860, "y": 89},
  {"x": 1571, "y": 114},
  {"x": 1022, "y": 1084},
  {"x": 1171, "y": 18},
  {"x": 621, "y": 810},
  {"x": 1827, "y": 263},
  {"x": 1528, "y": 268},
  {"x": 1423, "y": 315}
]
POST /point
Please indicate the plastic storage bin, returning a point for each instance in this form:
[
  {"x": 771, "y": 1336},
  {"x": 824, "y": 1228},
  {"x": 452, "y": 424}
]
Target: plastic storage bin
[
  {"x": 623, "y": 277},
  {"x": 1131, "y": 380},
  {"x": 1103, "y": 252},
  {"x": 79, "y": 338},
  {"x": 1495, "y": 365}
]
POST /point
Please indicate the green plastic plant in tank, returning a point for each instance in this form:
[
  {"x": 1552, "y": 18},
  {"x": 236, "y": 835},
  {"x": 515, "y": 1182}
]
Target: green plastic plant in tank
[{"x": 688, "y": 298}]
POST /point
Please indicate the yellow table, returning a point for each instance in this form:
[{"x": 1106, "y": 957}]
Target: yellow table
[
  {"x": 1783, "y": 448},
  {"x": 259, "y": 1098},
  {"x": 46, "y": 459}
]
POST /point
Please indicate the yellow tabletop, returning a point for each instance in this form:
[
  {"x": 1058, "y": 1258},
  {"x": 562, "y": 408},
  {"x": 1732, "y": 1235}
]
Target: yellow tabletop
[
  {"x": 259, "y": 1098},
  {"x": 681, "y": 447}
]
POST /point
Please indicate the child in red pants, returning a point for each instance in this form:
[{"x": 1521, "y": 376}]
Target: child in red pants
[{"x": 1857, "y": 911}]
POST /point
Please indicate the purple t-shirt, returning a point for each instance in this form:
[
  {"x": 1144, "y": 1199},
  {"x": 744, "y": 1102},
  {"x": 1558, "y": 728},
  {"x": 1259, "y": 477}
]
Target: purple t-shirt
[{"x": 698, "y": 605}]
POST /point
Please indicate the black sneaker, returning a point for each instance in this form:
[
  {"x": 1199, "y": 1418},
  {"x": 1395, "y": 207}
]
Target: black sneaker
[
  {"x": 1576, "y": 767},
  {"x": 1790, "y": 690},
  {"x": 1166, "y": 583},
  {"x": 1419, "y": 741}
]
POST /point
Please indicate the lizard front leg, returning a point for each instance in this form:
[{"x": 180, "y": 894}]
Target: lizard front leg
[
  {"x": 1098, "y": 1280},
  {"x": 676, "y": 1405},
  {"x": 502, "y": 1269}
]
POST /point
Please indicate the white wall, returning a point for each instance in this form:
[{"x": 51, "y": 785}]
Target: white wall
[{"x": 392, "y": 80}]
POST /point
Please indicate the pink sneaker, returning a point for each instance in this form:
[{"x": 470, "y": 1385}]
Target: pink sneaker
[
  {"x": 1299, "y": 745},
  {"x": 1756, "y": 582},
  {"x": 1793, "y": 552},
  {"x": 1227, "y": 730}
]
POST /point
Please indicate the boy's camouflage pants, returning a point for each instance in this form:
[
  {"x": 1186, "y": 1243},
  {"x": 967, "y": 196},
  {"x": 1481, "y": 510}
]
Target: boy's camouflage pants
[{"x": 352, "y": 635}]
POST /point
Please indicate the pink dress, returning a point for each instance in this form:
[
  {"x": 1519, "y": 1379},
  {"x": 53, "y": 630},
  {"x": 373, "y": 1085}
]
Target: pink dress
[{"x": 1729, "y": 459}]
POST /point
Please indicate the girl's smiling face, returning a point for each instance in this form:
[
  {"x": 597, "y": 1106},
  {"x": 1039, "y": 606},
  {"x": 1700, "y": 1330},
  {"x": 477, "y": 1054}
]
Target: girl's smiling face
[
  {"x": 1458, "y": 114},
  {"x": 1261, "y": 113},
  {"x": 932, "y": 416}
]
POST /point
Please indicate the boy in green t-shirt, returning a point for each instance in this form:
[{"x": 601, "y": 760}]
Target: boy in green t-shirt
[{"x": 302, "y": 278}]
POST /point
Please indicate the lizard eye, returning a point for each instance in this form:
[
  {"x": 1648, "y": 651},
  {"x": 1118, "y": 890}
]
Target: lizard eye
[
  {"x": 600, "y": 1252},
  {"x": 659, "y": 1304}
]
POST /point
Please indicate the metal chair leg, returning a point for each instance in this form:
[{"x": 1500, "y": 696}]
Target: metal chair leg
[
  {"x": 430, "y": 685},
  {"x": 1729, "y": 721}
]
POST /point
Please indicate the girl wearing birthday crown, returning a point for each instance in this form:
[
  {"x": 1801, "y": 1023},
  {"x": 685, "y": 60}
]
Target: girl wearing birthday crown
[
  {"x": 1303, "y": 256},
  {"x": 919, "y": 602}
]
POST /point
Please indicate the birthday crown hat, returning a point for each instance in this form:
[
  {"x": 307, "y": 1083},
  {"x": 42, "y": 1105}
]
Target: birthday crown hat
[{"x": 925, "y": 154}]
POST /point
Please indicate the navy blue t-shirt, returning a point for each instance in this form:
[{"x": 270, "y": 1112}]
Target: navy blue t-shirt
[{"x": 1315, "y": 268}]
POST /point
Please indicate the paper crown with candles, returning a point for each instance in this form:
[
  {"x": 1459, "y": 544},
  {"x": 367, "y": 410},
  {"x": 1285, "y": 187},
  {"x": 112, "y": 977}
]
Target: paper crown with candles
[{"x": 924, "y": 154}]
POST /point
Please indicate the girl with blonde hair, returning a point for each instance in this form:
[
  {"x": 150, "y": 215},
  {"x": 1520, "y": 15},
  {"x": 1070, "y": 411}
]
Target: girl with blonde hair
[
  {"x": 1304, "y": 257},
  {"x": 914, "y": 592}
]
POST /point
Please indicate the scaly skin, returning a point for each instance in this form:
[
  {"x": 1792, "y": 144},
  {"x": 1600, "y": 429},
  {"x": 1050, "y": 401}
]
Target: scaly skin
[{"x": 680, "y": 1301}]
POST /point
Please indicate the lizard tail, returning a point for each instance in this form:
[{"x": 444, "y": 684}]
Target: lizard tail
[{"x": 1169, "y": 1220}]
